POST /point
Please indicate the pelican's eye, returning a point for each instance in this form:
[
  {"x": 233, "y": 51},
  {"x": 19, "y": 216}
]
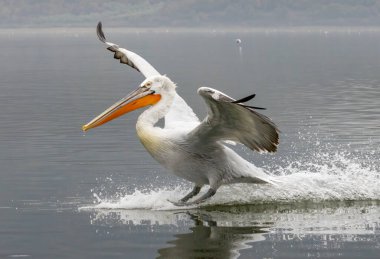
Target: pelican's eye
[{"x": 148, "y": 84}]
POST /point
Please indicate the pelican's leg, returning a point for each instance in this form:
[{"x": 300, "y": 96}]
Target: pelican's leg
[
  {"x": 211, "y": 192},
  {"x": 191, "y": 194}
]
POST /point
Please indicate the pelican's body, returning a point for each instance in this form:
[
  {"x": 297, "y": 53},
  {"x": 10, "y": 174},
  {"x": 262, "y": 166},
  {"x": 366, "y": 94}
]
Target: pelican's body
[
  {"x": 213, "y": 164},
  {"x": 188, "y": 148}
]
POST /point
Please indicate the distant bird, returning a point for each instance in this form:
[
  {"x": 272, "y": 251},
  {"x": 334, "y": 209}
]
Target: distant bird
[
  {"x": 238, "y": 41},
  {"x": 191, "y": 149}
]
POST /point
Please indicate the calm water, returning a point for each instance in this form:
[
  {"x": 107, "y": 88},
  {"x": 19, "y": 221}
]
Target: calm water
[{"x": 65, "y": 194}]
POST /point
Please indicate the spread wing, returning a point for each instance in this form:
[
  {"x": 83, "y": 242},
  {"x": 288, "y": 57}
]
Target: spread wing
[
  {"x": 180, "y": 111},
  {"x": 127, "y": 57},
  {"x": 230, "y": 119}
]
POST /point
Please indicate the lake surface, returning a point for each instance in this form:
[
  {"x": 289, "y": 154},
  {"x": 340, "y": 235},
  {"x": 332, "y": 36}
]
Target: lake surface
[{"x": 66, "y": 194}]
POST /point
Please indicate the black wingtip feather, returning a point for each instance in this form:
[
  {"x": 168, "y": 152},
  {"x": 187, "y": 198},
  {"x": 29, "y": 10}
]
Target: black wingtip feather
[
  {"x": 245, "y": 99},
  {"x": 254, "y": 107},
  {"x": 100, "y": 33}
]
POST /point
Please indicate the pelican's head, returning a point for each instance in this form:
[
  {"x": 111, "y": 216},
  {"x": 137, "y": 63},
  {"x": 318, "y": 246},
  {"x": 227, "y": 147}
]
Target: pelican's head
[
  {"x": 149, "y": 93},
  {"x": 159, "y": 84}
]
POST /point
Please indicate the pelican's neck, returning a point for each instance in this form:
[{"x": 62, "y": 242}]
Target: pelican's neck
[
  {"x": 150, "y": 136},
  {"x": 150, "y": 117}
]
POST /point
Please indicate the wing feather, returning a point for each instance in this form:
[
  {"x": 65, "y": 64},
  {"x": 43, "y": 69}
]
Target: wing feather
[
  {"x": 229, "y": 120},
  {"x": 127, "y": 57},
  {"x": 180, "y": 113}
]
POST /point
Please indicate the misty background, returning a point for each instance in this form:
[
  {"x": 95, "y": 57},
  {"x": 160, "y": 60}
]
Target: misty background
[{"x": 188, "y": 13}]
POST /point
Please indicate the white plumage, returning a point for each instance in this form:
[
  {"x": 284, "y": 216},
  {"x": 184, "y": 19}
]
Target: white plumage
[{"x": 188, "y": 148}]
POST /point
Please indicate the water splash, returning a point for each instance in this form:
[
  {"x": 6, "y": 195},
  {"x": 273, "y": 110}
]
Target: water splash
[
  {"x": 340, "y": 179},
  {"x": 313, "y": 169},
  {"x": 141, "y": 199}
]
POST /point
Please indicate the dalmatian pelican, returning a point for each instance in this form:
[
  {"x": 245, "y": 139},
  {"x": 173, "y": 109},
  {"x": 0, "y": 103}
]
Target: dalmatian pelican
[{"x": 187, "y": 147}]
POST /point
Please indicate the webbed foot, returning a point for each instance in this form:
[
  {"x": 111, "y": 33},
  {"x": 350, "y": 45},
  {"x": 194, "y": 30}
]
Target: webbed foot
[
  {"x": 207, "y": 195},
  {"x": 191, "y": 194},
  {"x": 179, "y": 203}
]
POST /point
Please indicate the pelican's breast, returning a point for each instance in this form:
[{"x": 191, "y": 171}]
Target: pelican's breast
[
  {"x": 166, "y": 148},
  {"x": 158, "y": 145},
  {"x": 150, "y": 140}
]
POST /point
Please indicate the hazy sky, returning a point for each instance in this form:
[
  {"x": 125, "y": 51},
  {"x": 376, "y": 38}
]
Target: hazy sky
[{"x": 188, "y": 13}]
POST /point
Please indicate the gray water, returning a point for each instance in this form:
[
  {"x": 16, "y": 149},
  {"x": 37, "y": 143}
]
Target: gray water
[{"x": 66, "y": 194}]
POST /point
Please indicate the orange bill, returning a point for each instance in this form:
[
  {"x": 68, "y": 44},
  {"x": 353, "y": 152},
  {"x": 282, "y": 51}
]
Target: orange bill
[{"x": 137, "y": 99}]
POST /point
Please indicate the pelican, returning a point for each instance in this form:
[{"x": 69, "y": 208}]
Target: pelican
[{"x": 187, "y": 147}]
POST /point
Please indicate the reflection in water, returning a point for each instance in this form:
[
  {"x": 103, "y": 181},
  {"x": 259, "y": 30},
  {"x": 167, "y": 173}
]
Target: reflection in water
[
  {"x": 313, "y": 229},
  {"x": 208, "y": 240}
]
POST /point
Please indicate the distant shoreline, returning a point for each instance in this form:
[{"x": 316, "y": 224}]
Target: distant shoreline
[{"x": 265, "y": 30}]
